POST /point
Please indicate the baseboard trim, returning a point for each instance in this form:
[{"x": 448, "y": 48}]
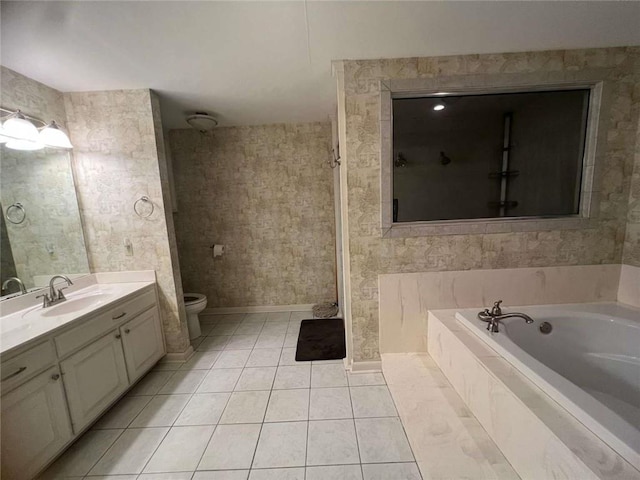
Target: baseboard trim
[
  {"x": 301, "y": 307},
  {"x": 368, "y": 366},
  {"x": 178, "y": 357}
]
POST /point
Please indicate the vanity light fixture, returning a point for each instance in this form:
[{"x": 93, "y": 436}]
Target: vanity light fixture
[
  {"x": 439, "y": 106},
  {"x": 19, "y": 132}
]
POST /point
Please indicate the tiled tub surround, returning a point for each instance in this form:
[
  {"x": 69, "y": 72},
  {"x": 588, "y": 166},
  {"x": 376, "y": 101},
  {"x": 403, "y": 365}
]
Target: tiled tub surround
[
  {"x": 242, "y": 407},
  {"x": 406, "y": 298},
  {"x": 538, "y": 437},
  {"x": 266, "y": 193},
  {"x": 118, "y": 158},
  {"x": 447, "y": 440},
  {"x": 372, "y": 255},
  {"x": 629, "y": 288}
]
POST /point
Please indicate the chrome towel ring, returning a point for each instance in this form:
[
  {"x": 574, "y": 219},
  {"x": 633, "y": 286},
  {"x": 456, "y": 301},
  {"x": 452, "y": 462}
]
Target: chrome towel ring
[
  {"x": 145, "y": 200},
  {"x": 15, "y": 213}
]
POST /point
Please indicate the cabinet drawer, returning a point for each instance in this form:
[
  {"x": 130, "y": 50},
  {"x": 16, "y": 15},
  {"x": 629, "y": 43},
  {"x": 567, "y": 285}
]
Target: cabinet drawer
[
  {"x": 102, "y": 323},
  {"x": 19, "y": 368}
]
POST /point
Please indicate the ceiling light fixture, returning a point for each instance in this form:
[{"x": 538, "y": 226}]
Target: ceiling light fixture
[
  {"x": 19, "y": 132},
  {"x": 439, "y": 107},
  {"x": 202, "y": 121}
]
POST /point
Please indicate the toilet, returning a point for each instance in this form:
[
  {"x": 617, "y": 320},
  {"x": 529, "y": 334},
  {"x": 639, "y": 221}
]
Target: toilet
[{"x": 194, "y": 304}]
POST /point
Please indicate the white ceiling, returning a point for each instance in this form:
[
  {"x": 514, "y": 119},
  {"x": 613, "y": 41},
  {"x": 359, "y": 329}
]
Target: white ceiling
[{"x": 248, "y": 62}]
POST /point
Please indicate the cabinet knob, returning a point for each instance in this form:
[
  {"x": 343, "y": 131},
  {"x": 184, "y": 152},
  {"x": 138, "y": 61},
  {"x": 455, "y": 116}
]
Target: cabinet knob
[
  {"x": 126, "y": 330},
  {"x": 118, "y": 335},
  {"x": 55, "y": 376}
]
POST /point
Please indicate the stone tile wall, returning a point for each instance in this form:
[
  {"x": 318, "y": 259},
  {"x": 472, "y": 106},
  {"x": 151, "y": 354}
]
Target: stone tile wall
[
  {"x": 370, "y": 254},
  {"x": 266, "y": 193}
]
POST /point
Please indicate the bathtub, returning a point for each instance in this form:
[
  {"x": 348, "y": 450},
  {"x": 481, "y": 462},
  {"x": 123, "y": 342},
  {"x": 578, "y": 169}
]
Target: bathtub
[{"x": 589, "y": 363}]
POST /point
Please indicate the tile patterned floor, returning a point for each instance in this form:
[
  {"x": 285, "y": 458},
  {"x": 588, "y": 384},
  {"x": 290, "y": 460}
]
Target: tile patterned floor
[{"x": 242, "y": 408}]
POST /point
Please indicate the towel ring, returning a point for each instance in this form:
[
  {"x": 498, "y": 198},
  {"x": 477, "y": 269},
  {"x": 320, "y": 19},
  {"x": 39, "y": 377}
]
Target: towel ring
[
  {"x": 143, "y": 199},
  {"x": 22, "y": 213}
]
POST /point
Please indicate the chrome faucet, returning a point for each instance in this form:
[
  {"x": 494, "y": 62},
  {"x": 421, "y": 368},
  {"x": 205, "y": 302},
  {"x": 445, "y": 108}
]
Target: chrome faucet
[
  {"x": 55, "y": 297},
  {"x": 493, "y": 317},
  {"x": 9, "y": 280}
]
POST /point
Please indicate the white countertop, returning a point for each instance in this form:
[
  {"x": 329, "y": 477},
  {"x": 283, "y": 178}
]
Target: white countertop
[{"x": 23, "y": 320}]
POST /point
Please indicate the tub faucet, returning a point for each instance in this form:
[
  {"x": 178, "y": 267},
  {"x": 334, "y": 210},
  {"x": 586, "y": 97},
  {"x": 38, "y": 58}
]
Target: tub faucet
[
  {"x": 6, "y": 283},
  {"x": 493, "y": 317}
]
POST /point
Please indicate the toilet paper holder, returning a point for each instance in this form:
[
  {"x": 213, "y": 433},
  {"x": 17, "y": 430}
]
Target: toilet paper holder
[{"x": 216, "y": 250}]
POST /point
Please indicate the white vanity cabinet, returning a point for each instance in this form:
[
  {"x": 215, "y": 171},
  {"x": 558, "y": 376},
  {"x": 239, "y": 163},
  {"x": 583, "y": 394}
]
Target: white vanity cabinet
[
  {"x": 35, "y": 425},
  {"x": 54, "y": 390},
  {"x": 142, "y": 342},
  {"x": 93, "y": 378}
]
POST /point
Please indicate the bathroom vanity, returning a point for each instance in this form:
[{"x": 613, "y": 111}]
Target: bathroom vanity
[{"x": 63, "y": 366}]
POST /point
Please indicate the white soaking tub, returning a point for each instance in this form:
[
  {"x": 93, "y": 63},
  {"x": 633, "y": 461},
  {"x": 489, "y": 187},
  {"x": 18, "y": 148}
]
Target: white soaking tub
[{"x": 589, "y": 363}]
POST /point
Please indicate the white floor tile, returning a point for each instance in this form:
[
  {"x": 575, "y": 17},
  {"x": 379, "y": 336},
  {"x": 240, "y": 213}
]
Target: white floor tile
[
  {"x": 82, "y": 455},
  {"x": 275, "y": 328},
  {"x": 183, "y": 382},
  {"x": 249, "y": 328},
  {"x": 301, "y": 316},
  {"x": 382, "y": 440},
  {"x": 222, "y": 380},
  {"x": 203, "y": 409},
  {"x": 335, "y": 472},
  {"x": 130, "y": 452},
  {"x": 241, "y": 342},
  {"x": 161, "y": 476},
  {"x": 277, "y": 474},
  {"x": 151, "y": 383},
  {"x": 214, "y": 343},
  {"x": 288, "y": 405},
  {"x": 259, "y": 378},
  {"x": 294, "y": 327},
  {"x": 201, "y": 360},
  {"x": 205, "y": 328},
  {"x": 245, "y": 407},
  {"x": 231, "y": 447},
  {"x": 123, "y": 412},
  {"x": 278, "y": 316},
  {"x": 288, "y": 357},
  {"x": 290, "y": 340},
  {"x": 222, "y": 475},
  {"x": 298, "y": 376},
  {"x": 391, "y": 471},
  {"x": 264, "y": 357},
  {"x": 224, "y": 328},
  {"x": 162, "y": 411},
  {"x": 180, "y": 450},
  {"x": 361, "y": 379},
  {"x": 330, "y": 404},
  {"x": 330, "y": 375},
  {"x": 270, "y": 341},
  {"x": 372, "y": 401},
  {"x": 332, "y": 442},
  {"x": 281, "y": 445},
  {"x": 232, "y": 359},
  {"x": 255, "y": 317}
]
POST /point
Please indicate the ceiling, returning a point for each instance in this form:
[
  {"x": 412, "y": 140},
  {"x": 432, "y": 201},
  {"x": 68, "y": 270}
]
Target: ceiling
[{"x": 268, "y": 62}]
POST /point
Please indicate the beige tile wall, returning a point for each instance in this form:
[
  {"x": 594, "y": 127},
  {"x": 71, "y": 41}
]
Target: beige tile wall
[
  {"x": 371, "y": 255},
  {"x": 117, "y": 160},
  {"x": 266, "y": 193},
  {"x": 631, "y": 254}
]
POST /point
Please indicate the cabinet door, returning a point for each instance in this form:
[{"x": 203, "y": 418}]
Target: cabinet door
[
  {"x": 143, "y": 343},
  {"x": 35, "y": 425},
  {"x": 93, "y": 378}
]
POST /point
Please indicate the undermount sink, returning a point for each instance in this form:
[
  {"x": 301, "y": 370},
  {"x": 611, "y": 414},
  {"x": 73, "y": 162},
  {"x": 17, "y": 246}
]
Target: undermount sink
[{"x": 70, "y": 305}]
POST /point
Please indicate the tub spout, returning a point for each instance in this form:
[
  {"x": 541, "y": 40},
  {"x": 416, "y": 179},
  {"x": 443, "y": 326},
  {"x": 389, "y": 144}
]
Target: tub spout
[{"x": 493, "y": 320}]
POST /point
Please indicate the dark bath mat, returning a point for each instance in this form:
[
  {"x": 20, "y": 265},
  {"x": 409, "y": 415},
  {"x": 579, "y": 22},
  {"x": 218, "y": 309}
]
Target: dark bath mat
[{"x": 321, "y": 339}]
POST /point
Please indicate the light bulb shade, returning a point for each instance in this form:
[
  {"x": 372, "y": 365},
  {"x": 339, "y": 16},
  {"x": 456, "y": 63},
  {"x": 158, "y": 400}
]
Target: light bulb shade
[
  {"x": 53, "y": 136},
  {"x": 20, "y": 129},
  {"x": 3, "y": 138},
  {"x": 18, "y": 144}
]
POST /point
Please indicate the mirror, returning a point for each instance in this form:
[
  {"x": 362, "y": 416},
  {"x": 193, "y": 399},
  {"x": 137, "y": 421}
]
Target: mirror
[{"x": 41, "y": 227}]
